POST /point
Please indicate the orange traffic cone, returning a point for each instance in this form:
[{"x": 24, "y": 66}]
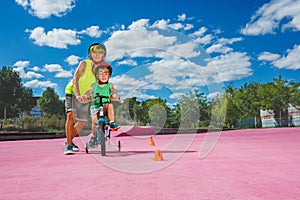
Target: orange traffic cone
[
  {"x": 152, "y": 143},
  {"x": 158, "y": 155}
]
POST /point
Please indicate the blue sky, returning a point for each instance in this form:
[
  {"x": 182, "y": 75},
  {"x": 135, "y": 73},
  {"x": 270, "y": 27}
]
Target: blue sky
[{"x": 157, "y": 48}]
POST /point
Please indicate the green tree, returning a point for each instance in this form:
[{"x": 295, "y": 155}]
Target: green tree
[
  {"x": 277, "y": 96},
  {"x": 249, "y": 102},
  {"x": 25, "y": 101},
  {"x": 175, "y": 116},
  {"x": 50, "y": 104},
  {"x": 190, "y": 113},
  {"x": 294, "y": 94},
  {"x": 233, "y": 112},
  {"x": 204, "y": 109},
  {"x": 10, "y": 84},
  {"x": 218, "y": 108},
  {"x": 158, "y": 112}
]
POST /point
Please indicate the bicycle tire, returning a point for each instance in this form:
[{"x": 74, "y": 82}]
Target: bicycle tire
[{"x": 102, "y": 138}]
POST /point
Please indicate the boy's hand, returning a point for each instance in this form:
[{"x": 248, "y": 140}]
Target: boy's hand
[
  {"x": 114, "y": 97},
  {"x": 83, "y": 99}
]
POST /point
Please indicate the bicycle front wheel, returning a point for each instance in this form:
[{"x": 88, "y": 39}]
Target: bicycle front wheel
[{"x": 102, "y": 138}]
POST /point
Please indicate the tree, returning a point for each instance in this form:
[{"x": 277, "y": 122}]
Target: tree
[
  {"x": 158, "y": 112},
  {"x": 233, "y": 112},
  {"x": 25, "y": 101},
  {"x": 278, "y": 96},
  {"x": 218, "y": 108},
  {"x": 190, "y": 113},
  {"x": 10, "y": 83},
  {"x": 50, "y": 104}
]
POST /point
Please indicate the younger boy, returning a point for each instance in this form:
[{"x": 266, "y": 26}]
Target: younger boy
[{"x": 103, "y": 87}]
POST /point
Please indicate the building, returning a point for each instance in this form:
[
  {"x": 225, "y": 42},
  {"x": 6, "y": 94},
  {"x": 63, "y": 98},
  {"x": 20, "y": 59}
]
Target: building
[{"x": 290, "y": 118}]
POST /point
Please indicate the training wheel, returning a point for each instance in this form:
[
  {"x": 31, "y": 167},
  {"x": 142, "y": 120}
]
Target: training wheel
[
  {"x": 119, "y": 145},
  {"x": 86, "y": 148}
]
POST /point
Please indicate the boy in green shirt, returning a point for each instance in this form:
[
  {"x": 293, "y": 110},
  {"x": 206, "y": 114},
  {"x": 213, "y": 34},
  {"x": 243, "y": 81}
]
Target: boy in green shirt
[{"x": 103, "y": 87}]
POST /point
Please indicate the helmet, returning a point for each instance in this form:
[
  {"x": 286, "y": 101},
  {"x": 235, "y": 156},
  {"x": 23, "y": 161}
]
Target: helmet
[
  {"x": 96, "y": 47},
  {"x": 101, "y": 65}
]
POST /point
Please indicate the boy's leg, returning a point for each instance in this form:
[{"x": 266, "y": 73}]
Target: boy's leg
[
  {"x": 111, "y": 116},
  {"x": 93, "y": 140},
  {"x": 70, "y": 127},
  {"x": 110, "y": 112}
]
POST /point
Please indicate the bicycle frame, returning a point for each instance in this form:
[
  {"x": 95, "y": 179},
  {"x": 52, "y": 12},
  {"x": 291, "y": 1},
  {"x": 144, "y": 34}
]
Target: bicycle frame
[{"x": 101, "y": 124}]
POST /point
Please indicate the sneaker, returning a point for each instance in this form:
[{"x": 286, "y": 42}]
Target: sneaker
[
  {"x": 74, "y": 146},
  {"x": 93, "y": 142},
  {"x": 68, "y": 150},
  {"x": 114, "y": 125}
]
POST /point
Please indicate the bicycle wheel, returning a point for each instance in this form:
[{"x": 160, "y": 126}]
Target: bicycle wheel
[{"x": 102, "y": 138}]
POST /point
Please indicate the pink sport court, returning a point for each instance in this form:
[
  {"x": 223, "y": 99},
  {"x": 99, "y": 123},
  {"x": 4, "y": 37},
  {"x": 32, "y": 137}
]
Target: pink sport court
[{"x": 237, "y": 164}]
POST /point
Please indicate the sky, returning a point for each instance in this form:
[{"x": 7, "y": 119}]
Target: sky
[{"x": 157, "y": 48}]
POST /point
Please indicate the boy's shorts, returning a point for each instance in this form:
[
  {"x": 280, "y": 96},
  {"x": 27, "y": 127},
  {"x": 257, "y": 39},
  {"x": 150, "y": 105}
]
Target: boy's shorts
[
  {"x": 81, "y": 109},
  {"x": 95, "y": 110}
]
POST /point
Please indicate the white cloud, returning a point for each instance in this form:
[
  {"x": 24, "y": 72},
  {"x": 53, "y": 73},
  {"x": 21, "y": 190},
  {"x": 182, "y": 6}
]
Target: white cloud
[
  {"x": 129, "y": 62},
  {"x": 31, "y": 75},
  {"x": 165, "y": 24},
  {"x": 59, "y": 71},
  {"x": 136, "y": 42},
  {"x": 185, "y": 50},
  {"x": 92, "y": 31},
  {"x": 200, "y": 37},
  {"x": 39, "y": 84},
  {"x": 291, "y": 61},
  {"x": 64, "y": 74},
  {"x": 200, "y": 32},
  {"x": 176, "y": 26},
  {"x": 267, "y": 56},
  {"x": 72, "y": 60},
  {"x": 229, "y": 67},
  {"x": 221, "y": 45},
  {"x": 218, "y": 48},
  {"x": 45, "y": 8},
  {"x": 182, "y": 17},
  {"x": 213, "y": 95},
  {"x": 270, "y": 16},
  {"x": 57, "y": 38},
  {"x": 142, "y": 23},
  {"x": 128, "y": 87},
  {"x": 20, "y": 66},
  {"x": 161, "y": 24},
  {"x": 177, "y": 95},
  {"x": 204, "y": 40},
  {"x": 53, "y": 68}
]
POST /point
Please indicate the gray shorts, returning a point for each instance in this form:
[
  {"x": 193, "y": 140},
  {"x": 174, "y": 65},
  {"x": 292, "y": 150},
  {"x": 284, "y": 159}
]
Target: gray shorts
[{"x": 82, "y": 110}]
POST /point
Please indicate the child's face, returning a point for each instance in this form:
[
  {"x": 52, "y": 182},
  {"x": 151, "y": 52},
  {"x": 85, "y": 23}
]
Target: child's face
[
  {"x": 97, "y": 56},
  {"x": 103, "y": 75}
]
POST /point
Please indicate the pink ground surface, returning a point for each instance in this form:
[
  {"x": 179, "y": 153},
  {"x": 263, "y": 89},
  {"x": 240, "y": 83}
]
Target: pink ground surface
[{"x": 244, "y": 164}]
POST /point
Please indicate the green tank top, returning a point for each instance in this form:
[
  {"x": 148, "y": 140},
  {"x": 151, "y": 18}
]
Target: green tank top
[
  {"x": 103, "y": 91},
  {"x": 84, "y": 82}
]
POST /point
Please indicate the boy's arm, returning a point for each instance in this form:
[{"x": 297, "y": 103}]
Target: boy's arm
[
  {"x": 115, "y": 96},
  {"x": 79, "y": 71}
]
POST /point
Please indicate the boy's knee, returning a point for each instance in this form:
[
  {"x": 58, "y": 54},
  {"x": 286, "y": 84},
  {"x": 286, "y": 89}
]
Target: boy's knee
[{"x": 70, "y": 114}]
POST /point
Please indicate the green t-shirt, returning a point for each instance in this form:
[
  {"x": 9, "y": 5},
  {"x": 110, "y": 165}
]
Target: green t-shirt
[{"x": 102, "y": 91}]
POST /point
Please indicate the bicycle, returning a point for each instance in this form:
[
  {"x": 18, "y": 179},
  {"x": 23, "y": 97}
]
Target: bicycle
[{"x": 102, "y": 128}]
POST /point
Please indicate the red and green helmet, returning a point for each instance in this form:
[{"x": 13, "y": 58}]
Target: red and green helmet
[{"x": 101, "y": 65}]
